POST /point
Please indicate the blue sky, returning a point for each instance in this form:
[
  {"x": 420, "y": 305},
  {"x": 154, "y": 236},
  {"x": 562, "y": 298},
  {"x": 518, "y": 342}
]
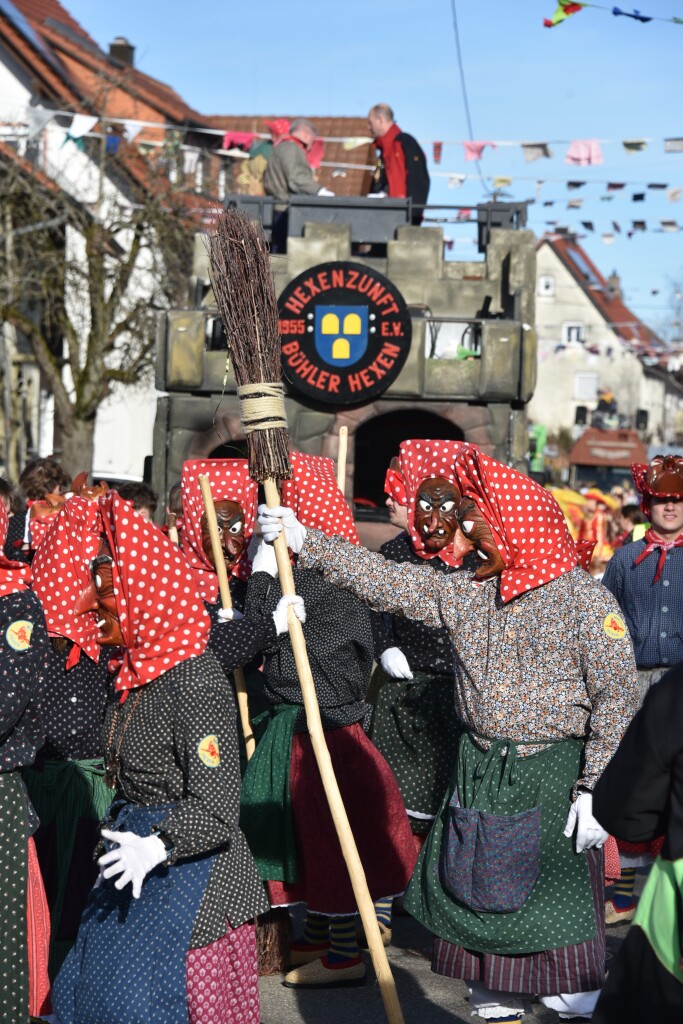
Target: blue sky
[{"x": 595, "y": 76}]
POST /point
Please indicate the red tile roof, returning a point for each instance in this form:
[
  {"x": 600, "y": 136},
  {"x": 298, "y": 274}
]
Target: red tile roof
[
  {"x": 37, "y": 11},
  {"x": 50, "y": 77},
  {"x": 616, "y": 313}
]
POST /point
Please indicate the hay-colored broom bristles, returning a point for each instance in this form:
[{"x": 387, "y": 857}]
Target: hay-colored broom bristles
[{"x": 243, "y": 286}]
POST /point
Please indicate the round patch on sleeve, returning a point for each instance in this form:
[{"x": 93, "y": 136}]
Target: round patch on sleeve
[
  {"x": 18, "y": 634},
  {"x": 614, "y": 626},
  {"x": 208, "y": 751}
]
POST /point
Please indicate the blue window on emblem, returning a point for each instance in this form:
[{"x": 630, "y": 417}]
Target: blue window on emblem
[{"x": 341, "y": 333}]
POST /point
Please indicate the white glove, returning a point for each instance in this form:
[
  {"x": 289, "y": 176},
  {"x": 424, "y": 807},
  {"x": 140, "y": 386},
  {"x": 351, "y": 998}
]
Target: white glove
[
  {"x": 229, "y": 615},
  {"x": 272, "y": 521},
  {"x": 376, "y": 195},
  {"x": 133, "y": 860},
  {"x": 589, "y": 831},
  {"x": 280, "y": 613},
  {"x": 325, "y": 192},
  {"x": 395, "y": 663},
  {"x": 264, "y": 560}
]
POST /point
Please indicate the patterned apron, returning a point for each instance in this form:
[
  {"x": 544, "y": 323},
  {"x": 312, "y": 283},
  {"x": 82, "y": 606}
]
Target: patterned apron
[
  {"x": 128, "y": 965},
  {"x": 498, "y": 842}
]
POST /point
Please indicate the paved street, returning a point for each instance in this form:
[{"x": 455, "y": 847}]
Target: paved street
[{"x": 425, "y": 998}]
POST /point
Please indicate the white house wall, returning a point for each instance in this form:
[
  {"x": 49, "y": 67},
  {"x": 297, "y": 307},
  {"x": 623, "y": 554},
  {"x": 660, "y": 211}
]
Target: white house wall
[
  {"x": 557, "y": 393},
  {"x": 124, "y": 425}
]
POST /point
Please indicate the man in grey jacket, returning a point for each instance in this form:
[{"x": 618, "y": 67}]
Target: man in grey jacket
[{"x": 288, "y": 172}]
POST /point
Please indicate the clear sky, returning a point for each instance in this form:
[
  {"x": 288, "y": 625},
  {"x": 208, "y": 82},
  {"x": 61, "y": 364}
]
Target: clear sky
[{"x": 595, "y": 76}]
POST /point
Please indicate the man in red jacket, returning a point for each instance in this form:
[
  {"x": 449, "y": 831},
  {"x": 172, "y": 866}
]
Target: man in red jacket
[{"x": 401, "y": 165}]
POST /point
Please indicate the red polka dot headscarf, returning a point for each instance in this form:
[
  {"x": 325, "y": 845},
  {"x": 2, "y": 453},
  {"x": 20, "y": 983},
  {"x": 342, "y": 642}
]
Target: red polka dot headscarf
[
  {"x": 315, "y": 497},
  {"x": 230, "y": 481},
  {"x": 161, "y": 615},
  {"x": 61, "y": 573},
  {"x": 421, "y": 460},
  {"x": 527, "y": 524},
  {"x": 395, "y": 486},
  {"x": 14, "y": 576}
]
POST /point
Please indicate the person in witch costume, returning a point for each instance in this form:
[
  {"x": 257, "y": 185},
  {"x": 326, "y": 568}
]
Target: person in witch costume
[
  {"x": 646, "y": 578},
  {"x": 23, "y": 669},
  {"x": 235, "y": 497},
  {"x": 66, "y": 783},
  {"x": 510, "y": 877},
  {"x": 639, "y": 797},
  {"x": 285, "y": 814},
  {"x": 168, "y": 932},
  {"x": 415, "y": 726}
]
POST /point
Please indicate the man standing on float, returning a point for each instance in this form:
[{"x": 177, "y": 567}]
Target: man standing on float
[{"x": 510, "y": 878}]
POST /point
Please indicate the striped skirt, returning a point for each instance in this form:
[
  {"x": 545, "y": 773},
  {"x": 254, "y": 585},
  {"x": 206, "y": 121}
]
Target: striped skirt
[{"x": 576, "y": 968}]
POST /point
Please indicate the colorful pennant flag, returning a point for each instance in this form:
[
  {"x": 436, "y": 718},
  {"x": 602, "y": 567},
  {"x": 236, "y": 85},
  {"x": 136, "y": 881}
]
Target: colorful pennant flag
[{"x": 564, "y": 10}]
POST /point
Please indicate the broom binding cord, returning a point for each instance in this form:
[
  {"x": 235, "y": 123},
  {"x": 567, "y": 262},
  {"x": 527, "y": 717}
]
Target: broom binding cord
[
  {"x": 226, "y": 602},
  {"x": 262, "y": 407}
]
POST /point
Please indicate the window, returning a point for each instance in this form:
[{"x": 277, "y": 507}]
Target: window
[
  {"x": 586, "y": 387},
  {"x": 546, "y": 285},
  {"x": 573, "y": 332}
]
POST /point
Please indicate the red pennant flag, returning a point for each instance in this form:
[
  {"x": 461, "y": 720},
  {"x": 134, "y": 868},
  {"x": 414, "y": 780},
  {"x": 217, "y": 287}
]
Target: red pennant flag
[{"x": 566, "y": 7}]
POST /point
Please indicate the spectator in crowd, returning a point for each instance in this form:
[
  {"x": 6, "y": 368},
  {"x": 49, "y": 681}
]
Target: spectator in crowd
[
  {"x": 39, "y": 478},
  {"x": 288, "y": 171},
  {"x": 142, "y": 496},
  {"x": 289, "y": 174},
  {"x": 402, "y": 166}
]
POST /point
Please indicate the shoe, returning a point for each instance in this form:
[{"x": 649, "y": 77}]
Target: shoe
[
  {"x": 319, "y": 974},
  {"x": 384, "y": 931},
  {"x": 618, "y": 915},
  {"x": 305, "y": 952}
]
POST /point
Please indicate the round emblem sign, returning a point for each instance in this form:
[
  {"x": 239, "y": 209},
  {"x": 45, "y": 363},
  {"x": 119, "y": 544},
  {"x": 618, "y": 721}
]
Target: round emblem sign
[{"x": 345, "y": 332}]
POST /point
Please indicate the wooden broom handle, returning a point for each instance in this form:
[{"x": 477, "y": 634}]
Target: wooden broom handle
[
  {"x": 341, "y": 458},
  {"x": 226, "y": 601},
  {"x": 347, "y": 842}
]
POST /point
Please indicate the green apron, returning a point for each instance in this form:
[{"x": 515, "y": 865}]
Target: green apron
[
  {"x": 659, "y": 915},
  {"x": 65, "y": 792},
  {"x": 416, "y": 730},
  {"x": 265, "y": 804},
  {"x": 559, "y": 909}
]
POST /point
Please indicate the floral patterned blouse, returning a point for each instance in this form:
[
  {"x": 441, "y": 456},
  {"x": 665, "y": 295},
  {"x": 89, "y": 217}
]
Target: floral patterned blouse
[{"x": 553, "y": 663}]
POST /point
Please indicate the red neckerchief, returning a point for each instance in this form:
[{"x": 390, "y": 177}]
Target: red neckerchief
[
  {"x": 421, "y": 460},
  {"x": 289, "y": 138},
  {"x": 653, "y": 542},
  {"x": 315, "y": 497},
  {"x": 527, "y": 524},
  {"x": 394, "y": 162},
  {"x": 14, "y": 576}
]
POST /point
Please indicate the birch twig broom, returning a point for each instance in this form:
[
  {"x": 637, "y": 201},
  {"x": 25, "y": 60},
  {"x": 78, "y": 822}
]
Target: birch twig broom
[{"x": 243, "y": 286}]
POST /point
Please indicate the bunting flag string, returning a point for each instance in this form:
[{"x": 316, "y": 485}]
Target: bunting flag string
[
  {"x": 565, "y": 8},
  {"x": 531, "y": 151}
]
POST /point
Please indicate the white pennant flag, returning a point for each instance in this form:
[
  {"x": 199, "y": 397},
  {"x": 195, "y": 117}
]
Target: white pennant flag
[
  {"x": 133, "y": 129},
  {"x": 81, "y": 125}
]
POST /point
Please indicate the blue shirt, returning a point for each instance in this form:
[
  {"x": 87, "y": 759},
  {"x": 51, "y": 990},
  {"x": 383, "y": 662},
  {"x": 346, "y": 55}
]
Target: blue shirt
[{"x": 653, "y": 611}]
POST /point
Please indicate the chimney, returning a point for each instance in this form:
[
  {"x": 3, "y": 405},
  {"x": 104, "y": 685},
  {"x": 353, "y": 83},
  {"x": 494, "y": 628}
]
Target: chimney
[
  {"x": 122, "y": 52},
  {"x": 614, "y": 286}
]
